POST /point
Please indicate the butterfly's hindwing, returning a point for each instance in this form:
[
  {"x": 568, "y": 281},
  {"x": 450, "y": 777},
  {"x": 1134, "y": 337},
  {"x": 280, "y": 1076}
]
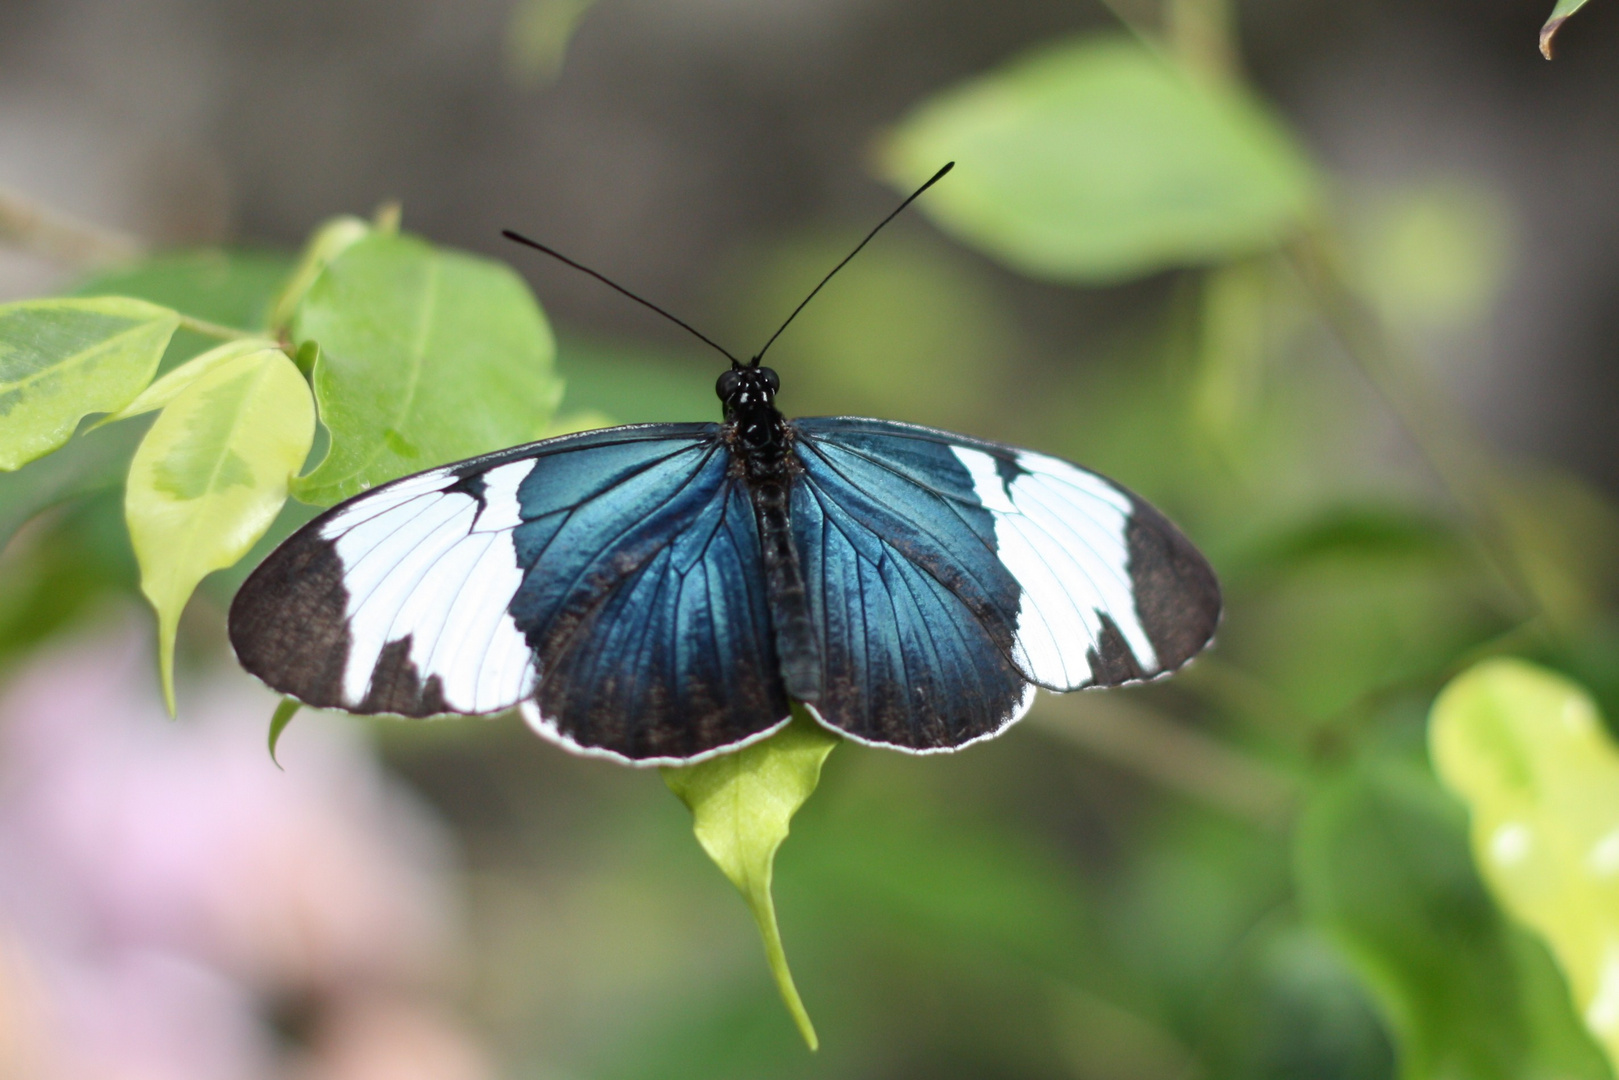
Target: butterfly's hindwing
[{"x": 1073, "y": 580}]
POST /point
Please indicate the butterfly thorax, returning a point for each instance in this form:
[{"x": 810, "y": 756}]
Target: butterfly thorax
[{"x": 760, "y": 443}]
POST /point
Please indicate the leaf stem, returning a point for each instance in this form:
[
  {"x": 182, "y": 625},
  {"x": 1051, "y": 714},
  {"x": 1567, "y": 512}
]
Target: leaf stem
[{"x": 215, "y": 330}]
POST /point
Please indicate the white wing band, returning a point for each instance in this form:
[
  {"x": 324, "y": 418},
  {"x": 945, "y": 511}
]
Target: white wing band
[{"x": 1062, "y": 533}]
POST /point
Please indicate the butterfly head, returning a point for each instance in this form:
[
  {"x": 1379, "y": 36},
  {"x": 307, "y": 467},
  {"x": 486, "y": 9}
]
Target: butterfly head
[{"x": 746, "y": 387}]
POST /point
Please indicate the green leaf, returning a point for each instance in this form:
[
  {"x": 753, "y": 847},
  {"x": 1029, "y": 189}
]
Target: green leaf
[
  {"x": 63, "y": 359},
  {"x": 1096, "y": 160},
  {"x": 167, "y": 388},
  {"x": 284, "y": 712},
  {"x": 537, "y": 39},
  {"x": 210, "y": 477},
  {"x": 95, "y": 461},
  {"x": 427, "y": 356},
  {"x": 637, "y": 385},
  {"x": 1337, "y": 618},
  {"x": 1560, "y": 15},
  {"x": 1383, "y": 869},
  {"x": 328, "y": 243},
  {"x": 741, "y": 805},
  {"x": 1435, "y": 254},
  {"x": 1527, "y": 751}
]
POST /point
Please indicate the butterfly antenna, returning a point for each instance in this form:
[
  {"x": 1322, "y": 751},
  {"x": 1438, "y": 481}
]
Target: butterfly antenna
[
  {"x": 934, "y": 179},
  {"x": 555, "y": 254}
]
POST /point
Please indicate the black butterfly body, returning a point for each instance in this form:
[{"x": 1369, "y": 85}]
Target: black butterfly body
[{"x": 659, "y": 593}]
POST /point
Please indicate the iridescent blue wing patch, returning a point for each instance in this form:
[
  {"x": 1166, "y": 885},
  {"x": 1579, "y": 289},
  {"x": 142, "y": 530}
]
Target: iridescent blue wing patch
[
  {"x": 644, "y": 600},
  {"x": 950, "y": 576}
]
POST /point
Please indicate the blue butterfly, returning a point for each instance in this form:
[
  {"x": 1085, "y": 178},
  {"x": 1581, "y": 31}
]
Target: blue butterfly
[{"x": 659, "y": 593}]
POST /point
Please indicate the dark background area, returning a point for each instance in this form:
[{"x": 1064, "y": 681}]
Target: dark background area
[{"x": 1108, "y": 892}]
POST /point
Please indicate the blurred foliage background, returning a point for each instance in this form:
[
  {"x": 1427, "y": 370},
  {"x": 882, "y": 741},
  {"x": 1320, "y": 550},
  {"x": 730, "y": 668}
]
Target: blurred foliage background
[{"x": 1327, "y": 282}]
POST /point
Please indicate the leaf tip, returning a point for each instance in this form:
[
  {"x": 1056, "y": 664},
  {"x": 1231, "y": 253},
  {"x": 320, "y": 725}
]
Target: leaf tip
[
  {"x": 165, "y": 665},
  {"x": 1548, "y": 33},
  {"x": 284, "y": 712},
  {"x": 795, "y": 1006}
]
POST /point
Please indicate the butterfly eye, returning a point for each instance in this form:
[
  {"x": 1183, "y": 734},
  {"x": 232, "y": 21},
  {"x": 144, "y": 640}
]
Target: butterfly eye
[
  {"x": 726, "y": 386},
  {"x": 770, "y": 378}
]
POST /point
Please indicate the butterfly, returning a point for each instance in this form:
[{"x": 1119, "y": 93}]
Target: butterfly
[{"x": 658, "y": 594}]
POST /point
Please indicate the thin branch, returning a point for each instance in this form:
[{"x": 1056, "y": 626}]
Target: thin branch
[
  {"x": 1228, "y": 687},
  {"x": 1123, "y": 10},
  {"x": 1170, "y": 754},
  {"x": 60, "y": 238},
  {"x": 1201, "y": 33},
  {"x": 215, "y": 330},
  {"x": 1461, "y": 461}
]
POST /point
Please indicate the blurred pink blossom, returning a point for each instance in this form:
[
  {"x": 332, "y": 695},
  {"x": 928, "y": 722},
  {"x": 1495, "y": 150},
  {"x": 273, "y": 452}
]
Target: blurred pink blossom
[{"x": 163, "y": 887}]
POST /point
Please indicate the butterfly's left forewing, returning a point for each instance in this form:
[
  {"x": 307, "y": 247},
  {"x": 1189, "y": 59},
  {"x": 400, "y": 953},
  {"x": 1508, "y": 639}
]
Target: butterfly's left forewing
[{"x": 597, "y": 580}]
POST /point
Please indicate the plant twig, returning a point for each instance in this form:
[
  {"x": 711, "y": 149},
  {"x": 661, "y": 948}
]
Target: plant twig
[
  {"x": 1124, "y": 11},
  {"x": 1199, "y": 35},
  {"x": 1202, "y": 36},
  {"x": 215, "y": 330},
  {"x": 1225, "y": 685},
  {"x": 1170, "y": 754},
  {"x": 1458, "y": 458},
  {"x": 66, "y": 240}
]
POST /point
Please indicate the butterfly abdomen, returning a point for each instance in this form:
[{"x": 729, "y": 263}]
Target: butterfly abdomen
[{"x": 759, "y": 442}]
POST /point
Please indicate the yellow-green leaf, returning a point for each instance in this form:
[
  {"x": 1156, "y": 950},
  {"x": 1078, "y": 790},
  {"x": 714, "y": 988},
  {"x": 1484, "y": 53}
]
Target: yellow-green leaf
[
  {"x": 166, "y": 389},
  {"x": 1383, "y": 868},
  {"x": 1526, "y": 750},
  {"x": 583, "y": 420},
  {"x": 63, "y": 359},
  {"x": 741, "y": 806},
  {"x": 210, "y": 477}
]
